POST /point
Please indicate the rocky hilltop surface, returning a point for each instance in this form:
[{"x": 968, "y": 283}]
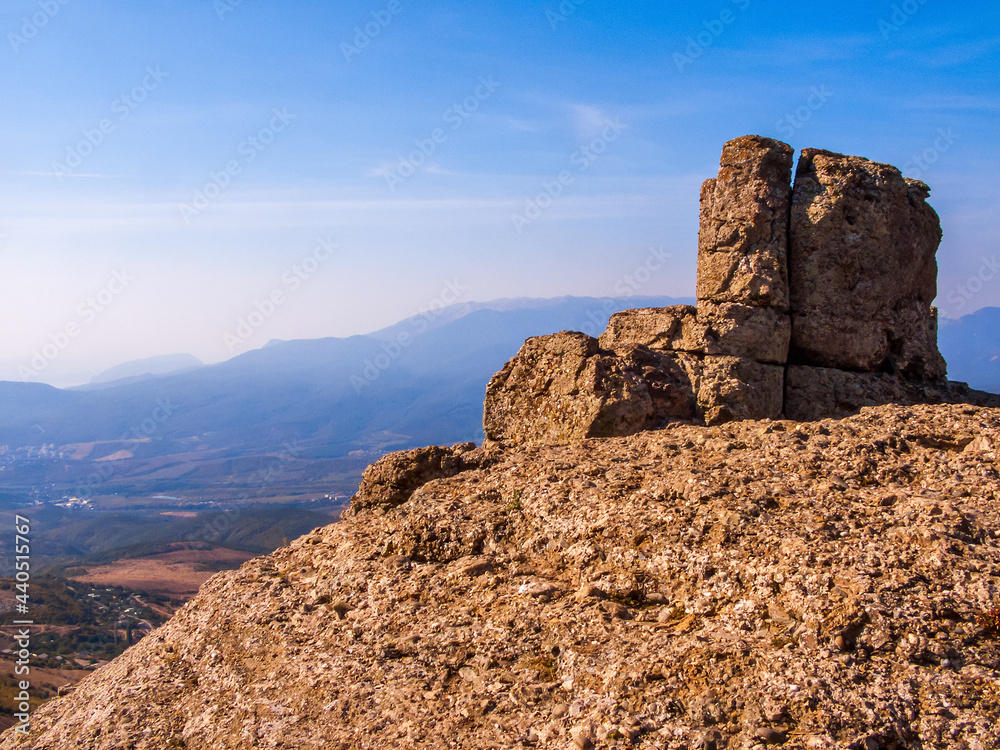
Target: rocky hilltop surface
[
  {"x": 813, "y": 585},
  {"x": 646, "y": 552}
]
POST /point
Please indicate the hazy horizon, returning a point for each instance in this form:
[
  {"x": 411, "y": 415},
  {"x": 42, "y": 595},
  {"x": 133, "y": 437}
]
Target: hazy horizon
[
  {"x": 174, "y": 169},
  {"x": 430, "y": 315}
]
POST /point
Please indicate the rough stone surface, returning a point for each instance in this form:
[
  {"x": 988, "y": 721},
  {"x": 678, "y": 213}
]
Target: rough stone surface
[
  {"x": 849, "y": 288},
  {"x": 726, "y": 329},
  {"x": 758, "y": 333},
  {"x": 745, "y": 279},
  {"x": 820, "y": 392},
  {"x": 673, "y": 328},
  {"x": 392, "y": 479},
  {"x": 565, "y": 387},
  {"x": 824, "y": 585},
  {"x": 734, "y": 388},
  {"x": 743, "y": 239},
  {"x": 862, "y": 268}
]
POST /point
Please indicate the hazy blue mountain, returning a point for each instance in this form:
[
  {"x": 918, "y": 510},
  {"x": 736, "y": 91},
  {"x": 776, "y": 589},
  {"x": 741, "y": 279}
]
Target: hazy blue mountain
[
  {"x": 971, "y": 346},
  {"x": 419, "y": 381},
  {"x": 164, "y": 364}
]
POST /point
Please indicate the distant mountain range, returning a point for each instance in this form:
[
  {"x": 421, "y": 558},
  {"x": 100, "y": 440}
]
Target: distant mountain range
[
  {"x": 971, "y": 347},
  {"x": 418, "y": 382},
  {"x": 165, "y": 364}
]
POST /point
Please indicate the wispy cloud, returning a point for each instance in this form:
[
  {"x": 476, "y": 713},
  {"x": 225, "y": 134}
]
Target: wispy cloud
[
  {"x": 610, "y": 197},
  {"x": 59, "y": 174},
  {"x": 435, "y": 168},
  {"x": 389, "y": 168},
  {"x": 521, "y": 126},
  {"x": 382, "y": 170},
  {"x": 588, "y": 120}
]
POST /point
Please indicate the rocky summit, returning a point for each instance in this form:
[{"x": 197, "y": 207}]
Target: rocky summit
[
  {"x": 761, "y": 583},
  {"x": 814, "y": 299},
  {"x": 766, "y": 520}
]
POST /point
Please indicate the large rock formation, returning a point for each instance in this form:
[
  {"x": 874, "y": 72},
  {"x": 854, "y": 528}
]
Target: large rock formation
[
  {"x": 813, "y": 301},
  {"x": 818, "y": 586},
  {"x": 863, "y": 271},
  {"x": 743, "y": 242},
  {"x": 565, "y": 387}
]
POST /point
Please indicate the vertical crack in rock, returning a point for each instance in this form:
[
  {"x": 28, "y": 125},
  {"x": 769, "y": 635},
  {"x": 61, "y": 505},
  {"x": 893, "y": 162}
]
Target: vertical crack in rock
[{"x": 791, "y": 318}]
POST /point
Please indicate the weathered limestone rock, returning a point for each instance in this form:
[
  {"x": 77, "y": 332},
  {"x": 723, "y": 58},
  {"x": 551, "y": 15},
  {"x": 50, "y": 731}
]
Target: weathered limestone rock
[
  {"x": 727, "y": 329},
  {"x": 673, "y": 328},
  {"x": 862, "y": 270},
  {"x": 393, "y": 478},
  {"x": 813, "y": 393},
  {"x": 842, "y": 300},
  {"x": 743, "y": 240},
  {"x": 564, "y": 387}
]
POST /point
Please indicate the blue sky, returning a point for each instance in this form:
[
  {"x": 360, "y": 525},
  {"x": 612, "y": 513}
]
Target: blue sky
[{"x": 170, "y": 169}]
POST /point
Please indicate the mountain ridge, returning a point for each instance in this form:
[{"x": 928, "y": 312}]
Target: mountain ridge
[
  {"x": 163, "y": 364},
  {"x": 263, "y": 394}
]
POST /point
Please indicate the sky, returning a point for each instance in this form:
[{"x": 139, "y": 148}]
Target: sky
[{"x": 204, "y": 176}]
